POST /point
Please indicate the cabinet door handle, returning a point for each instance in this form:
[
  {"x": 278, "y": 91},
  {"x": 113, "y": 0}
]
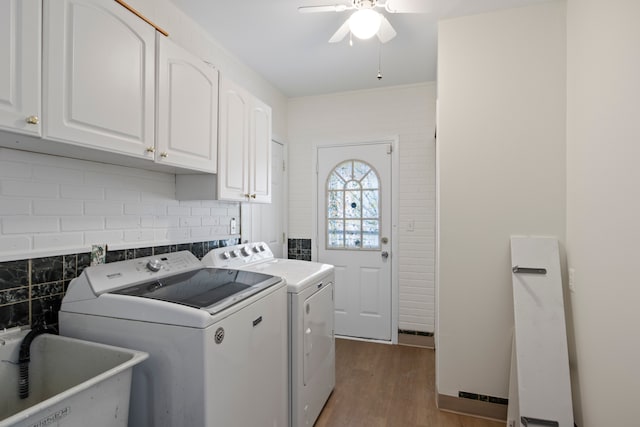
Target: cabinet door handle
[
  {"x": 247, "y": 195},
  {"x": 33, "y": 120},
  {"x": 150, "y": 150},
  {"x": 164, "y": 154},
  {"x": 253, "y": 196}
]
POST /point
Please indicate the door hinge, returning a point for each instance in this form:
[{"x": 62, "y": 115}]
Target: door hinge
[
  {"x": 284, "y": 238},
  {"x": 317, "y": 168},
  {"x": 389, "y": 148},
  {"x": 284, "y": 167}
]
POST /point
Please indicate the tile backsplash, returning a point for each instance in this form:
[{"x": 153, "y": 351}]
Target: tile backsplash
[
  {"x": 299, "y": 249},
  {"x": 31, "y": 290}
]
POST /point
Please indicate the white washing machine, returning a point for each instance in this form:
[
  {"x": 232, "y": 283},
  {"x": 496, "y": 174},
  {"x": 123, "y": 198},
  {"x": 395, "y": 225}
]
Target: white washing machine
[
  {"x": 311, "y": 312},
  {"x": 215, "y": 338}
]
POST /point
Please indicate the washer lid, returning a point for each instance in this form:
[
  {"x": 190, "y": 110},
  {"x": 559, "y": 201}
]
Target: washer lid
[
  {"x": 298, "y": 274},
  {"x": 212, "y": 289}
]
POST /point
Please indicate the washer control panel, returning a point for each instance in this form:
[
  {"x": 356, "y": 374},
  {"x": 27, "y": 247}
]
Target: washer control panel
[{"x": 109, "y": 277}]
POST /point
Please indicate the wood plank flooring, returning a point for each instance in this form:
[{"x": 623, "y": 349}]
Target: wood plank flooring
[{"x": 379, "y": 385}]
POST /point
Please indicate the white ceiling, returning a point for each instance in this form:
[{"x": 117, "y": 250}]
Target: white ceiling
[{"x": 291, "y": 49}]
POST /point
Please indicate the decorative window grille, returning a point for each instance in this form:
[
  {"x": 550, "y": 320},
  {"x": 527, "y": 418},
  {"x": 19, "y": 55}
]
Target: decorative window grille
[{"x": 353, "y": 207}]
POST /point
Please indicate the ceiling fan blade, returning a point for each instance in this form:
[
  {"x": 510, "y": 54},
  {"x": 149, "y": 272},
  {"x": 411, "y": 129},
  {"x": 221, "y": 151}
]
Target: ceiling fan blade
[
  {"x": 327, "y": 8},
  {"x": 341, "y": 33},
  {"x": 408, "y": 6},
  {"x": 386, "y": 31}
]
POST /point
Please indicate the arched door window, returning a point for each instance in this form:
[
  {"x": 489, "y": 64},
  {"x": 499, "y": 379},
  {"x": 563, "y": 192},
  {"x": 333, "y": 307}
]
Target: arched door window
[{"x": 353, "y": 207}]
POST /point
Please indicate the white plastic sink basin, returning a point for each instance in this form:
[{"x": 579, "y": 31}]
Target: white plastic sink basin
[{"x": 72, "y": 382}]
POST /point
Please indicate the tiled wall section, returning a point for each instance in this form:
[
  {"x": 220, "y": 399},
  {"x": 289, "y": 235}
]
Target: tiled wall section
[
  {"x": 51, "y": 205},
  {"x": 299, "y": 249},
  {"x": 31, "y": 290}
]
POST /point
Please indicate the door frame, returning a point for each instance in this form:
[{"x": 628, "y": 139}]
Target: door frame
[
  {"x": 395, "y": 163},
  {"x": 285, "y": 194}
]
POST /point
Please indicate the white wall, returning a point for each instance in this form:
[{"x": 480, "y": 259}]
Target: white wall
[
  {"x": 501, "y": 154},
  {"x": 603, "y": 207},
  {"x": 52, "y": 205},
  {"x": 406, "y": 111},
  {"x": 184, "y": 31}
]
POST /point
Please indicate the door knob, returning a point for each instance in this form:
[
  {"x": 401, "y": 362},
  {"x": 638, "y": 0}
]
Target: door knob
[
  {"x": 385, "y": 254},
  {"x": 33, "y": 120}
]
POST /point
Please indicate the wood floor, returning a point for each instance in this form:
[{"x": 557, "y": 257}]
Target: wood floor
[{"x": 379, "y": 385}]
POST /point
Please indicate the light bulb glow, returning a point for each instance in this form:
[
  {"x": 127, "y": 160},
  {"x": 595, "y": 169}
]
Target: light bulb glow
[{"x": 365, "y": 23}]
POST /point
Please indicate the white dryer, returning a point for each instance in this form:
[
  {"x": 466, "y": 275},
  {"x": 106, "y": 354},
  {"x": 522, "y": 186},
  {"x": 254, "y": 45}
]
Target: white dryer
[
  {"x": 215, "y": 338},
  {"x": 310, "y": 287}
]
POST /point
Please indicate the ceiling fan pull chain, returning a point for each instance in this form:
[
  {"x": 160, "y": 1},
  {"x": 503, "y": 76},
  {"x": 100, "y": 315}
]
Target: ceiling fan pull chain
[{"x": 379, "y": 60}]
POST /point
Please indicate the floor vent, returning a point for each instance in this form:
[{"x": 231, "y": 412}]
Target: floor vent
[
  {"x": 483, "y": 398},
  {"x": 420, "y": 333}
]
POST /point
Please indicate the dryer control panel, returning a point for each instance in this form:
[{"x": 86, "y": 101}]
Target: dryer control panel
[{"x": 238, "y": 256}]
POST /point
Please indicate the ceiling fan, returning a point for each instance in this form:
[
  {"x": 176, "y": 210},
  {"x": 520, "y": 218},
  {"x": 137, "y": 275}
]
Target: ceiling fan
[{"x": 366, "y": 22}]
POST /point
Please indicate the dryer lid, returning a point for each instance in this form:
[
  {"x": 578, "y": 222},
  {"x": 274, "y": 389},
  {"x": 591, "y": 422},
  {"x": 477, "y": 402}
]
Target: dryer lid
[{"x": 298, "y": 274}]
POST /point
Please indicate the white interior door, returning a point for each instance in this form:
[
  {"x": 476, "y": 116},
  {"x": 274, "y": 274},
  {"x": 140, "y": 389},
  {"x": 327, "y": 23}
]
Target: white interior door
[
  {"x": 354, "y": 234},
  {"x": 264, "y": 222}
]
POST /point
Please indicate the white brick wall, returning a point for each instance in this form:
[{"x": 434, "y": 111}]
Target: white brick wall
[
  {"x": 407, "y": 111},
  {"x": 51, "y": 205}
]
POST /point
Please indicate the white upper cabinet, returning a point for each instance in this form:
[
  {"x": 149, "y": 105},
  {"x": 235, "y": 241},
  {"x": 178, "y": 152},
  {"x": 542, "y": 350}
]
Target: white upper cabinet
[
  {"x": 260, "y": 152},
  {"x": 233, "y": 149},
  {"x": 20, "y": 53},
  {"x": 244, "y": 166},
  {"x": 99, "y": 79},
  {"x": 187, "y": 109}
]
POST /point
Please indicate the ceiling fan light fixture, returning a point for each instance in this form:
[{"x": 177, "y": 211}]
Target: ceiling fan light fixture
[{"x": 365, "y": 23}]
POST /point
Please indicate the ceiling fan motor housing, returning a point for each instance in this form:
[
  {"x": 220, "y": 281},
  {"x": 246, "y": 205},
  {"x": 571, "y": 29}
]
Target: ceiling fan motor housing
[{"x": 365, "y": 4}]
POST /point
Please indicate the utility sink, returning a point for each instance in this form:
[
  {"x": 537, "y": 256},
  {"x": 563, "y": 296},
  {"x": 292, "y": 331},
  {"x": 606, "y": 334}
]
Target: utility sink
[{"x": 71, "y": 382}]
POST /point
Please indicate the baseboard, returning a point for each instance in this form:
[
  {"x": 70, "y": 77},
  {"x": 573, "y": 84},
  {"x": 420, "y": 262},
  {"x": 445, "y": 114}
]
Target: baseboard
[
  {"x": 416, "y": 339},
  {"x": 476, "y": 408}
]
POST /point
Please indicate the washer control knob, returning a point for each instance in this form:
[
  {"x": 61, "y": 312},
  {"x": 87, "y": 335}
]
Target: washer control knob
[
  {"x": 246, "y": 251},
  {"x": 262, "y": 248},
  {"x": 236, "y": 253},
  {"x": 225, "y": 255},
  {"x": 256, "y": 249},
  {"x": 154, "y": 265}
]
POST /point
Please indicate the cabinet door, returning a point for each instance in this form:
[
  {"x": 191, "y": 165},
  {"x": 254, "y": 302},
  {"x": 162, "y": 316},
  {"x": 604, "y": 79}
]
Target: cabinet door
[
  {"x": 233, "y": 161},
  {"x": 99, "y": 74},
  {"x": 187, "y": 125},
  {"x": 260, "y": 152},
  {"x": 20, "y": 53}
]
